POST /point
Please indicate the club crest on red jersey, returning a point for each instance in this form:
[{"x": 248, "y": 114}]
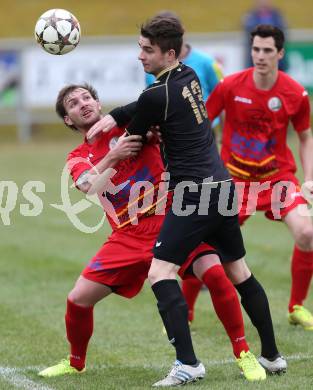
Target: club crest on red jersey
[
  {"x": 274, "y": 104},
  {"x": 113, "y": 142}
]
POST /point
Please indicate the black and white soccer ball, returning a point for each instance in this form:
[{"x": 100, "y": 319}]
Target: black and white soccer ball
[{"x": 57, "y": 31}]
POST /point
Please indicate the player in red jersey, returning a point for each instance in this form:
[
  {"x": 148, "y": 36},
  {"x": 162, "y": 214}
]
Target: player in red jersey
[
  {"x": 122, "y": 263},
  {"x": 259, "y": 104}
]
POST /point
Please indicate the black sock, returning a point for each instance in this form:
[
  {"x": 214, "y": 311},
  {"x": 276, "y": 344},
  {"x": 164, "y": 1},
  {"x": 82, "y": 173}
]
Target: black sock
[
  {"x": 167, "y": 324},
  {"x": 174, "y": 312},
  {"x": 255, "y": 303}
]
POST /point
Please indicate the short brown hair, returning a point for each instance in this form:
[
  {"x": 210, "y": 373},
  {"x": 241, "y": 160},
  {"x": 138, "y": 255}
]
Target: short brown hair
[
  {"x": 268, "y": 30},
  {"x": 164, "y": 30},
  {"x": 59, "y": 106}
]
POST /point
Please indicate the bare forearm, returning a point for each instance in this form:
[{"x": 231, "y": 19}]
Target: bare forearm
[
  {"x": 101, "y": 172},
  {"x": 109, "y": 161},
  {"x": 91, "y": 181},
  {"x": 97, "y": 177}
]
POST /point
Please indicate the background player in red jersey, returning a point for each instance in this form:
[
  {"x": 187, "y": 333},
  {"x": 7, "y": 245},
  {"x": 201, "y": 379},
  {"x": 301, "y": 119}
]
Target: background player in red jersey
[
  {"x": 259, "y": 104},
  {"x": 122, "y": 263}
]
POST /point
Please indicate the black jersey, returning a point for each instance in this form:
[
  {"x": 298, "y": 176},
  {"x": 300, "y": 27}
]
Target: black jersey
[{"x": 174, "y": 102}]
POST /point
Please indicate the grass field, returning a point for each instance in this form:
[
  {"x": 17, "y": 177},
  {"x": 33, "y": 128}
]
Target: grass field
[{"x": 42, "y": 256}]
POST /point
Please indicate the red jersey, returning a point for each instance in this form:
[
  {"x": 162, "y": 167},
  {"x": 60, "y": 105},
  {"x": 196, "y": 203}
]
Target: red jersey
[
  {"x": 147, "y": 166},
  {"x": 254, "y": 145}
]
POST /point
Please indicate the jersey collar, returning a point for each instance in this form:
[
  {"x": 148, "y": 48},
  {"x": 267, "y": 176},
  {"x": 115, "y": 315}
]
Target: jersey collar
[{"x": 168, "y": 69}]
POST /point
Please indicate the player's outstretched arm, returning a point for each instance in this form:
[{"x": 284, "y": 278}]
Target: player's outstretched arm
[{"x": 120, "y": 116}]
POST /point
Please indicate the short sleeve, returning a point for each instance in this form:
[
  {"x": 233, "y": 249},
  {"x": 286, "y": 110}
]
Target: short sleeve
[
  {"x": 215, "y": 102},
  {"x": 77, "y": 165},
  {"x": 302, "y": 118}
]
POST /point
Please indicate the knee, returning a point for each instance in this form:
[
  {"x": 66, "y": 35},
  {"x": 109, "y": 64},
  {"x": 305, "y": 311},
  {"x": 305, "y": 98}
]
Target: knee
[
  {"x": 161, "y": 270},
  {"x": 304, "y": 239},
  {"x": 152, "y": 277},
  {"x": 205, "y": 263},
  {"x": 155, "y": 275},
  {"x": 80, "y": 298},
  {"x": 75, "y": 297},
  {"x": 237, "y": 271}
]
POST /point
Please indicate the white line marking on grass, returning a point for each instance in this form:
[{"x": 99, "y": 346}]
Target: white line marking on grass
[
  {"x": 17, "y": 376},
  {"x": 14, "y": 377},
  {"x": 209, "y": 363}
]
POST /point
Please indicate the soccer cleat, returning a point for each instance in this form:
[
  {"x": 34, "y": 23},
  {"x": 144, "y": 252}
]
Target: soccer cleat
[
  {"x": 250, "y": 367},
  {"x": 181, "y": 374},
  {"x": 301, "y": 316},
  {"x": 278, "y": 365},
  {"x": 62, "y": 368}
]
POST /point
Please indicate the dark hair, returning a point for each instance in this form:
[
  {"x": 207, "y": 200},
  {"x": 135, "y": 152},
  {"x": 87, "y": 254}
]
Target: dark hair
[
  {"x": 164, "y": 30},
  {"x": 267, "y": 30},
  {"x": 59, "y": 106},
  {"x": 168, "y": 14}
]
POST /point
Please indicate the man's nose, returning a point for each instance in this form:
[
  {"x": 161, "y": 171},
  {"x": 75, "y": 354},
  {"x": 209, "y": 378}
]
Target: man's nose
[{"x": 82, "y": 104}]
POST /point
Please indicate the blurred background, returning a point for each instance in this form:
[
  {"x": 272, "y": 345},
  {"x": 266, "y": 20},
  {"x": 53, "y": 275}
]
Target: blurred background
[{"x": 107, "y": 54}]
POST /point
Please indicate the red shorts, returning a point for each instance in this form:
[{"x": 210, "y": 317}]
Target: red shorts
[
  {"x": 185, "y": 271},
  {"x": 123, "y": 262},
  {"x": 277, "y": 198}
]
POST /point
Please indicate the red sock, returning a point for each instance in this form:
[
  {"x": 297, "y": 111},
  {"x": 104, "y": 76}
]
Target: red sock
[
  {"x": 79, "y": 328},
  {"x": 227, "y": 306},
  {"x": 301, "y": 275},
  {"x": 191, "y": 288}
]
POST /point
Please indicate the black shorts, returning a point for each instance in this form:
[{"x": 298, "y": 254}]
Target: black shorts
[{"x": 213, "y": 221}]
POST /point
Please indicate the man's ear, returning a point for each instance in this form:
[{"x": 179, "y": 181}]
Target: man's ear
[
  {"x": 281, "y": 54},
  {"x": 68, "y": 121},
  {"x": 172, "y": 54}
]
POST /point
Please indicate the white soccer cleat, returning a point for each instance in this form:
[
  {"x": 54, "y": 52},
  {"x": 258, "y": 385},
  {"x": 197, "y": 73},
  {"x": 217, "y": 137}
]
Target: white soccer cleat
[
  {"x": 181, "y": 374},
  {"x": 276, "y": 366}
]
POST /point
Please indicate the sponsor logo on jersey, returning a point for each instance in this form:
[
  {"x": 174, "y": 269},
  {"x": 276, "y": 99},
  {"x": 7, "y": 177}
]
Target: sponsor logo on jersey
[
  {"x": 295, "y": 195},
  {"x": 243, "y": 100},
  {"x": 274, "y": 104},
  {"x": 113, "y": 142}
]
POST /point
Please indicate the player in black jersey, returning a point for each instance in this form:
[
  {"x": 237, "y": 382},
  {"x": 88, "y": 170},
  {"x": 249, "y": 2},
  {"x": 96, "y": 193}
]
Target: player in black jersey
[{"x": 201, "y": 184}]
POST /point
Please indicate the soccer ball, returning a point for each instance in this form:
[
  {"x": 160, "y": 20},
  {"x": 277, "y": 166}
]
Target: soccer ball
[{"x": 57, "y": 31}]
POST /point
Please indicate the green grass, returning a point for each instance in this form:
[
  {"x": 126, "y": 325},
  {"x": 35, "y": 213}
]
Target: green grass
[{"x": 41, "y": 258}]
